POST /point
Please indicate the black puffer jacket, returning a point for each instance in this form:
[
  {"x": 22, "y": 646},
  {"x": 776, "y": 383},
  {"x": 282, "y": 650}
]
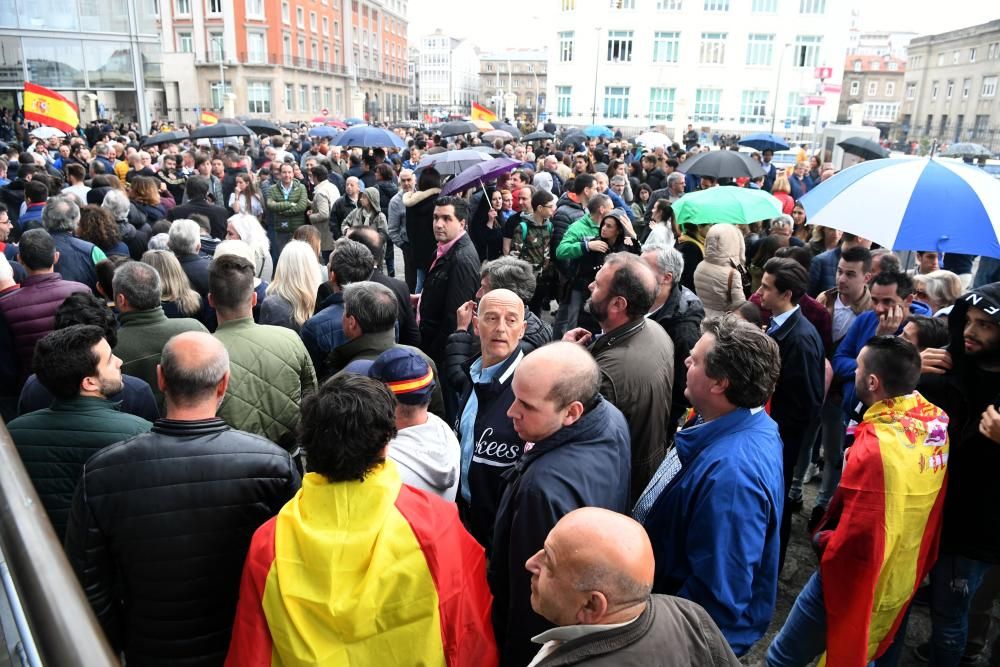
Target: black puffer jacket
[
  {"x": 420, "y": 225},
  {"x": 464, "y": 345},
  {"x": 159, "y": 530}
]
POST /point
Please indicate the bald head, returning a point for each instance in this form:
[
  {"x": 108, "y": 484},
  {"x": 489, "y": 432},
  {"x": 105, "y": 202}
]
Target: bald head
[
  {"x": 193, "y": 367},
  {"x": 501, "y": 297},
  {"x": 553, "y": 387}
]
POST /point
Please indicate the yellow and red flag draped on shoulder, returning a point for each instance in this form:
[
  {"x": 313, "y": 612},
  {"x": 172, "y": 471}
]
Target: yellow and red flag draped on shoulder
[
  {"x": 208, "y": 118},
  {"x": 887, "y": 512},
  {"x": 48, "y": 107},
  {"x": 479, "y": 112},
  {"x": 363, "y": 573}
]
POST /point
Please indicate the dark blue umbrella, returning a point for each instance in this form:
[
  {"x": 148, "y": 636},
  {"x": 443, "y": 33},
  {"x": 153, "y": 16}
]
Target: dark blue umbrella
[
  {"x": 366, "y": 136},
  {"x": 354, "y": 121},
  {"x": 324, "y": 132},
  {"x": 477, "y": 174},
  {"x": 764, "y": 141}
]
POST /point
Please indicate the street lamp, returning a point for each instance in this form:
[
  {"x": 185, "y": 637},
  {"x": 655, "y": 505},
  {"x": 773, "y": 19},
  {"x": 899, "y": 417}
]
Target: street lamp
[
  {"x": 777, "y": 84},
  {"x": 222, "y": 70},
  {"x": 597, "y": 62}
]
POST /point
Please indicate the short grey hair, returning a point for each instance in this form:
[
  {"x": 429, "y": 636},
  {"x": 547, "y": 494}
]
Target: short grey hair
[
  {"x": 372, "y": 304},
  {"x": 510, "y": 273},
  {"x": 745, "y": 356},
  {"x": 615, "y": 180},
  {"x": 117, "y": 204},
  {"x": 187, "y": 385},
  {"x": 159, "y": 242},
  {"x": 61, "y": 214},
  {"x": 668, "y": 260},
  {"x": 674, "y": 177},
  {"x": 185, "y": 237},
  {"x": 783, "y": 220},
  {"x": 943, "y": 286},
  {"x": 139, "y": 283}
]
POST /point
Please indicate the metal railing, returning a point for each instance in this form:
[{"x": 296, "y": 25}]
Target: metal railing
[{"x": 54, "y": 621}]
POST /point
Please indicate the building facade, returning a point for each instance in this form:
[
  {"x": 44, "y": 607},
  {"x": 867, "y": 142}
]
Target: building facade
[
  {"x": 518, "y": 76},
  {"x": 287, "y": 59},
  {"x": 104, "y": 56},
  {"x": 722, "y": 65},
  {"x": 950, "y": 87},
  {"x": 449, "y": 76},
  {"x": 873, "y": 88}
]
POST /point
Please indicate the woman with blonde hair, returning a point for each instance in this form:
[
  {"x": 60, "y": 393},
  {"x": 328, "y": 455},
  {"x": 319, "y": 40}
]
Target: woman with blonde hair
[
  {"x": 291, "y": 296},
  {"x": 938, "y": 289},
  {"x": 178, "y": 298},
  {"x": 246, "y": 228},
  {"x": 781, "y": 190}
]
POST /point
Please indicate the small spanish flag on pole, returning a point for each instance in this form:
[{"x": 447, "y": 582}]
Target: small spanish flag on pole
[
  {"x": 48, "y": 107},
  {"x": 479, "y": 112},
  {"x": 208, "y": 118}
]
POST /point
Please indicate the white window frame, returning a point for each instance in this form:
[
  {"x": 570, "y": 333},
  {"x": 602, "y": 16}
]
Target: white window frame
[
  {"x": 616, "y": 100},
  {"x": 760, "y": 49},
  {"x": 855, "y": 88},
  {"x": 716, "y": 5},
  {"x": 564, "y": 101},
  {"x": 669, "y": 5},
  {"x": 812, "y": 6},
  {"x": 707, "y": 105},
  {"x": 300, "y": 18},
  {"x": 259, "y": 97},
  {"x": 872, "y": 88},
  {"x": 890, "y": 88},
  {"x": 911, "y": 91},
  {"x": 620, "y": 43},
  {"x": 286, "y": 12},
  {"x": 214, "y": 90},
  {"x": 712, "y": 49},
  {"x": 313, "y": 22},
  {"x": 807, "y": 50},
  {"x": 972, "y": 54},
  {"x": 182, "y": 7},
  {"x": 666, "y": 46},
  {"x": 764, "y": 6},
  {"x": 989, "y": 87},
  {"x": 289, "y": 97},
  {"x": 258, "y": 57},
  {"x": 185, "y": 42},
  {"x": 949, "y": 89},
  {"x": 661, "y": 103},
  {"x": 753, "y": 107},
  {"x": 566, "y": 44},
  {"x": 303, "y": 97},
  {"x": 966, "y": 88},
  {"x": 326, "y": 26},
  {"x": 255, "y": 9},
  {"x": 213, "y": 7}
]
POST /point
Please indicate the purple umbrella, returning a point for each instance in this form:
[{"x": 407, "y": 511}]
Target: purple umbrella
[{"x": 477, "y": 174}]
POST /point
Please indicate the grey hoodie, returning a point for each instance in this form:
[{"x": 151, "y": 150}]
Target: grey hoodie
[{"x": 428, "y": 457}]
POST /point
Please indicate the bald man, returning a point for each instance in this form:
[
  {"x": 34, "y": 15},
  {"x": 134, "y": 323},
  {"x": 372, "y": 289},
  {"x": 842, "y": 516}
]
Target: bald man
[
  {"x": 593, "y": 578},
  {"x": 490, "y": 445},
  {"x": 161, "y": 523},
  {"x": 576, "y": 455}
]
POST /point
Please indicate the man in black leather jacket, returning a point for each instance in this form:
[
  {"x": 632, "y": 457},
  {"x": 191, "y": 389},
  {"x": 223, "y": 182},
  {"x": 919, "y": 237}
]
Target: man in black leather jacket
[{"x": 161, "y": 523}]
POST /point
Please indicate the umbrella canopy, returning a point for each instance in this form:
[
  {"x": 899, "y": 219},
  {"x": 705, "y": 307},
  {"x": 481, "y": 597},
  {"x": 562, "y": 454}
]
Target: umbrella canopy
[
  {"x": 764, "y": 141},
  {"x": 594, "y": 131},
  {"x": 738, "y": 206},
  {"x": 477, "y": 174},
  {"x": 653, "y": 139},
  {"x": 324, "y": 132},
  {"x": 967, "y": 149},
  {"x": 434, "y": 150},
  {"x": 578, "y": 138},
  {"x": 46, "y": 132},
  {"x": 351, "y": 122},
  {"x": 290, "y": 126},
  {"x": 506, "y": 127},
  {"x": 493, "y": 135},
  {"x": 165, "y": 138},
  {"x": 481, "y": 125},
  {"x": 261, "y": 126},
  {"x": 220, "y": 130},
  {"x": 339, "y": 124},
  {"x": 912, "y": 204},
  {"x": 722, "y": 164},
  {"x": 456, "y": 127},
  {"x": 451, "y": 163},
  {"x": 538, "y": 136},
  {"x": 488, "y": 150},
  {"x": 865, "y": 148},
  {"x": 366, "y": 136}
]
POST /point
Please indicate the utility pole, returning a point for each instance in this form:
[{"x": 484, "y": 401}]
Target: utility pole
[{"x": 597, "y": 63}]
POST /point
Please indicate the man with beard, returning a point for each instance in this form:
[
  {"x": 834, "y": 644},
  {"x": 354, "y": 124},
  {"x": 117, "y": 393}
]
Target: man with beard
[{"x": 77, "y": 366}]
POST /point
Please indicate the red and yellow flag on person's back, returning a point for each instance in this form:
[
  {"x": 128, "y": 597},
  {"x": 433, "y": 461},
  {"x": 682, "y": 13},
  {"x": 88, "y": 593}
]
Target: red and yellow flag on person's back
[
  {"x": 208, "y": 118},
  {"x": 479, "y": 112},
  {"x": 48, "y": 107}
]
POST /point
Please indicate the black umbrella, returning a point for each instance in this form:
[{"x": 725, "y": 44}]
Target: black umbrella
[
  {"x": 486, "y": 148},
  {"x": 538, "y": 135},
  {"x": 579, "y": 138},
  {"x": 507, "y": 127},
  {"x": 457, "y": 127},
  {"x": 220, "y": 130},
  {"x": 864, "y": 148},
  {"x": 173, "y": 137},
  {"x": 722, "y": 164},
  {"x": 261, "y": 126},
  {"x": 291, "y": 126}
]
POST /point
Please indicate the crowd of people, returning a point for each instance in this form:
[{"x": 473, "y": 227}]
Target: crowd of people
[{"x": 572, "y": 431}]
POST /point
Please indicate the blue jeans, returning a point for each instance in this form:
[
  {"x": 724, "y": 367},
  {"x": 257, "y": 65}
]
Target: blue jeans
[
  {"x": 954, "y": 582},
  {"x": 803, "y": 636},
  {"x": 832, "y": 416},
  {"x": 421, "y": 274}
]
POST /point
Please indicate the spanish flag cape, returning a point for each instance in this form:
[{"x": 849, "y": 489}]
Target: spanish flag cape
[
  {"x": 363, "y": 573},
  {"x": 887, "y": 516}
]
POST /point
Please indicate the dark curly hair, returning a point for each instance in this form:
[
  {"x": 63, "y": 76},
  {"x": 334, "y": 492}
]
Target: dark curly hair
[
  {"x": 85, "y": 308},
  {"x": 98, "y": 226},
  {"x": 345, "y": 426}
]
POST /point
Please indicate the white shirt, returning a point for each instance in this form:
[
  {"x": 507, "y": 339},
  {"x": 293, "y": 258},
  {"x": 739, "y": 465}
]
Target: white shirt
[
  {"x": 843, "y": 318},
  {"x": 554, "y": 638}
]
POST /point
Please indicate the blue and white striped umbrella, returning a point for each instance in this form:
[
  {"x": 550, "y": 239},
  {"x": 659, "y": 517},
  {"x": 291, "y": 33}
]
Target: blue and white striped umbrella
[{"x": 912, "y": 204}]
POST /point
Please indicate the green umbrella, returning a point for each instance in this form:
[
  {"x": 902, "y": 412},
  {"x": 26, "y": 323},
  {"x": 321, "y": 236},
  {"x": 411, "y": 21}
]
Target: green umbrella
[{"x": 726, "y": 203}]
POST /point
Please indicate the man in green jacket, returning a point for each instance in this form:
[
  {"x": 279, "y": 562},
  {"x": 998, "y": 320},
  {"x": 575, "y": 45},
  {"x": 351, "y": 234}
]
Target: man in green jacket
[
  {"x": 583, "y": 236},
  {"x": 287, "y": 201},
  {"x": 144, "y": 329},
  {"x": 270, "y": 368},
  {"x": 77, "y": 366}
]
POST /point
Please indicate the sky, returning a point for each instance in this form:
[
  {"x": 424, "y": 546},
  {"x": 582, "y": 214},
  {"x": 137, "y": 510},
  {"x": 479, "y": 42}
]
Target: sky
[{"x": 516, "y": 23}]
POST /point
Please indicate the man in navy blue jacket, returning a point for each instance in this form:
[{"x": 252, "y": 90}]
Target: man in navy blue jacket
[
  {"x": 713, "y": 508},
  {"x": 577, "y": 454}
]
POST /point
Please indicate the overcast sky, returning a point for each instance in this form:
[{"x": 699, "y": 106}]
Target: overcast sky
[{"x": 517, "y": 23}]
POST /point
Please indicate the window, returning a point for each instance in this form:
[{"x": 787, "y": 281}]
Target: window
[
  {"x": 286, "y": 43},
  {"x": 666, "y": 47},
  {"x": 764, "y": 6},
  {"x": 716, "y": 5},
  {"x": 798, "y": 112},
  {"x": 327, "y": 97},
  {"x": 300, "y": 17},
  {"x": 182, "y": 7},
  {"x": 258, "y": 97},
  {"x": 855, "y": 87},
  {"x": 326, "y": 54},
  {"x": 713, "y": 48},
  {"x": 303, "y": 98},
  {"x": 661, "y": 103},
  {"x": 622, "y": 4},
  {"x": 880, "y": 111},
  {"x": 893, "y": 66},
  {"x": 566, "y": 47},
  {"x": 949, "y": 89},
  {"x": 568, "y": 5},
  {"x": 753, "y": 107},
  {"x": 336, "y": 29},
  {"x": 930, "y": 121},
  {"x": 184, "y": 43},
  {"x": 812, "y": 6},
  {"x": 289, "y": 97},
  {"x": 286, "y": 16},
  {"x": 256, "y": 48},
  {"x": 993, "y": 51},
  {"x": 760, "y": 49},
  {"x": 314, "y": 52},
  {"x": 857, "y": 65},
  {"x": 668, "y": 5},
  {"x": 326, "y": 26},
  {"x": 972, "y": 54},
  {"x": 564, "y": 95},
  {"x": 940, "y": 59},
  {"x": 215, "y": 90},
  {"x": 911, "y": 91},
  {"x": 315, "y": 98},
  {"x": 934, "y": 90},
  {"x": 989, "y": 86},
  {"x": 214, "y": 6},
  {"x": 616, "y": 101},
  {"x": 255, "y": 10},
  {"x": 915, "y": 61},
  {"x": 966, "y": 87},
  {"x": 876, "y": 65},
  {"x": 302, "y": 48},
  {"x": 955, "y": 57},
  {"x": 807, "y": 50},
  {"x": 619, "y": 46},
  {"x": 890, "y": 88},
  {"x": 872, "y": 88},
  {"x": 312, "y": 21},
  {"x": 706, "y": 105}
]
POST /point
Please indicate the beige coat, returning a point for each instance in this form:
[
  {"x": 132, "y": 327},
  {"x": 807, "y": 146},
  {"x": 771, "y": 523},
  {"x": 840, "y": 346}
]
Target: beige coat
[{"x": 717, "y": 281}]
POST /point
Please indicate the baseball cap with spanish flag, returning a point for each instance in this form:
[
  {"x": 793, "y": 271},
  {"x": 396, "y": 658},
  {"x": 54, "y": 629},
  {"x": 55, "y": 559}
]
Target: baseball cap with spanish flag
[{"x": 406, "y": 374}]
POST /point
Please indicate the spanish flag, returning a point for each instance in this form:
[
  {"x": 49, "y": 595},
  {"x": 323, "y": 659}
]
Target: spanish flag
[
  {"x": 880, "y": 536},
  {"x": 363, "y": 573},
  {"x": 479, "y": 112},
  {"x": 48, "y": 107},
  {"x": 208, "y": 118}
]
